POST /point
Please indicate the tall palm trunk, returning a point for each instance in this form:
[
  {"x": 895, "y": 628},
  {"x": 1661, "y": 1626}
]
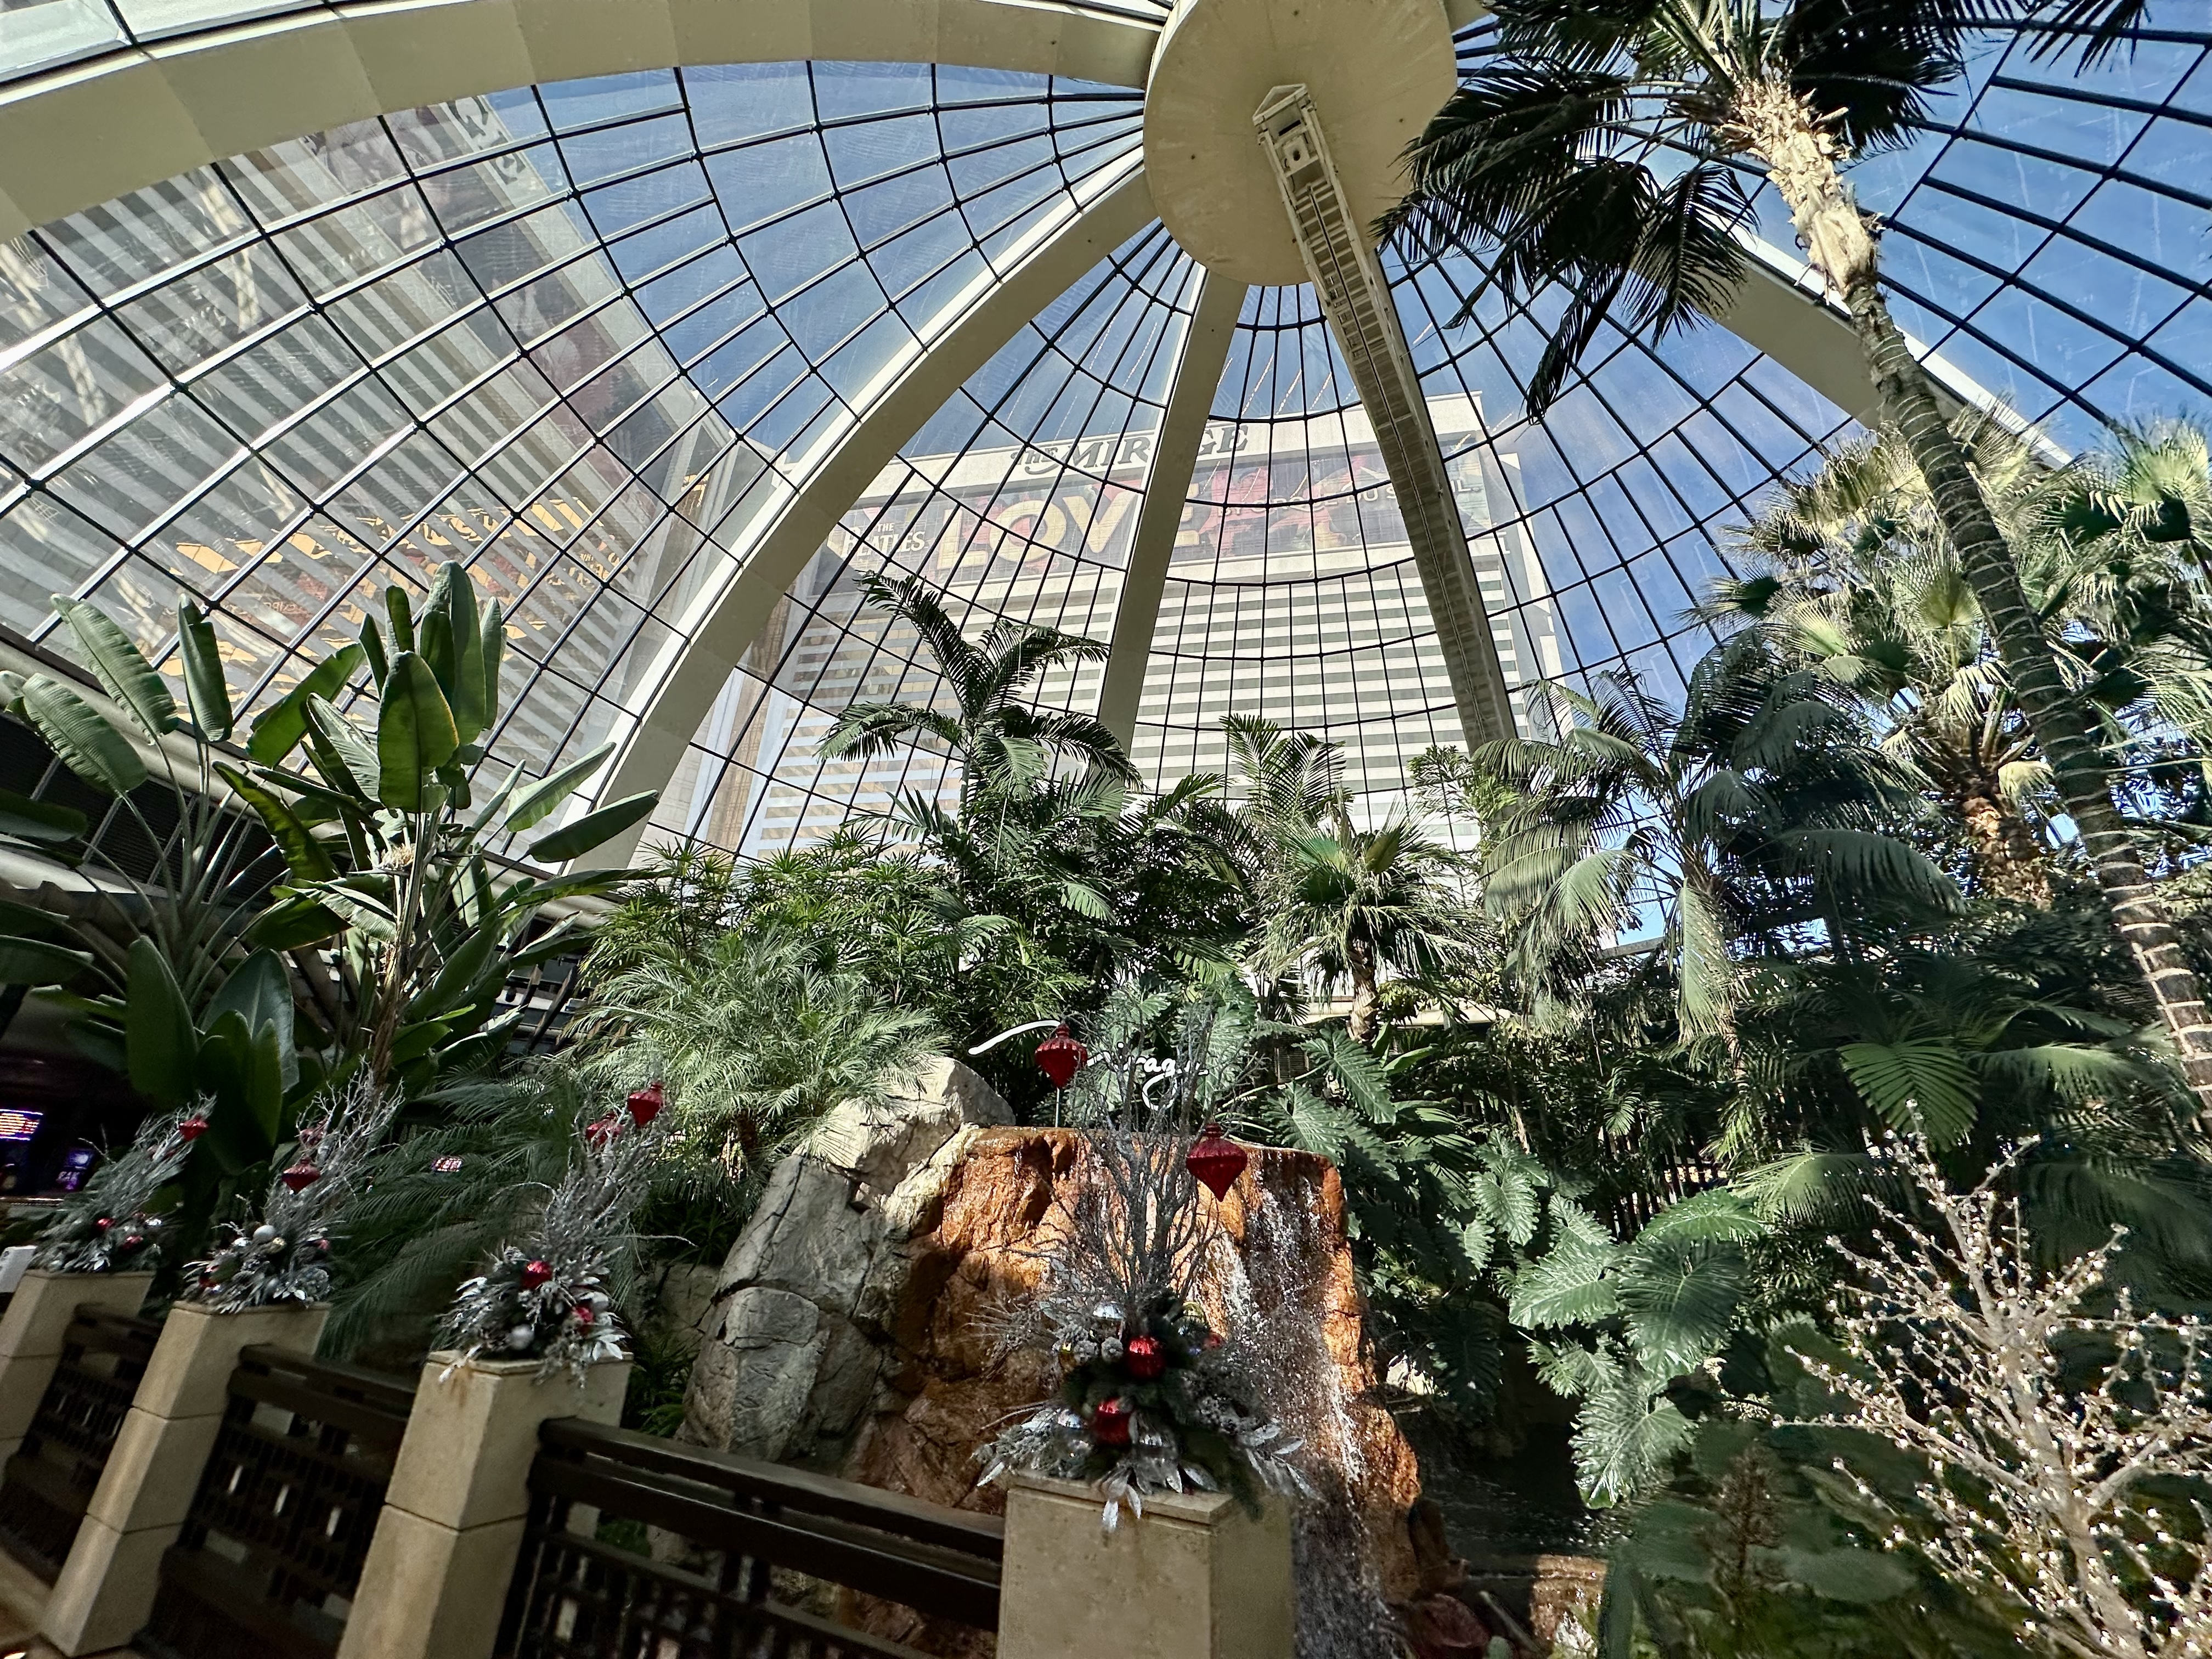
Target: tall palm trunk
[
  {"x": 1363, "y": 1018},
  {"x": 1799, "y": 153}
]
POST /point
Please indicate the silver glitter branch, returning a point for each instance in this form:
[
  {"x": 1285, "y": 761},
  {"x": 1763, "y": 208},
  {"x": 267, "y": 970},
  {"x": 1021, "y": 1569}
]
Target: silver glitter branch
[{"x": 2038, "y": 1500}]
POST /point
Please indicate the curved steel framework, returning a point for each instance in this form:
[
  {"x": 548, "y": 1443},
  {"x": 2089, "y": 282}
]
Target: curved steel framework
[{"x": 670, "y": 358}]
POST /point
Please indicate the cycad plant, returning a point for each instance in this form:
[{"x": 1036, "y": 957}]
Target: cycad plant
[
  {"x": 1760, "y": 808},
  {"x": 754, "y": 1039},
  {"x": 1598, "y": 148}
]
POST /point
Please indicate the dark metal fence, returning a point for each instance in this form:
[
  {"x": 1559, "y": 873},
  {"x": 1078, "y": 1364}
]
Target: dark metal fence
[
  {"x": 272, "y": 1551},
  {"x": 50, "y": 1480},
  {"x": 735, "y": 1546}
]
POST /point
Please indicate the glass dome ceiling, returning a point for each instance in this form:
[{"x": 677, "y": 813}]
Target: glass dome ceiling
[{"x": 671, "y": 359}]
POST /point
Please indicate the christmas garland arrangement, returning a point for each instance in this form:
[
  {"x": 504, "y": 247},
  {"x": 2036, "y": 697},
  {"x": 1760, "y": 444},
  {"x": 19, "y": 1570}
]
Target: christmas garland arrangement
[
  {"x": 110, "y": 1227},
  {"x": 283, "y": 1255},
  {"x": 1152, "y": 1399},
  {"x": 546, "y": 1297}
]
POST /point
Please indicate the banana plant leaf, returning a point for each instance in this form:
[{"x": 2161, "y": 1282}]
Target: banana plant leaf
[
  {"x": 37, "y": 962},
  {"x": 206, "y": 691},
  {"x": 593, "y": 828},
  {"x": 121, "y": 667},
  {"x": 278, "y": 732},
  {"x": 161, "y": 1042},
  {"x": 89, "y": 745},
  {"x": 538, "y": 802},
  {"x": 415, "y": 733},
  {"x": 48, "y": 823}
]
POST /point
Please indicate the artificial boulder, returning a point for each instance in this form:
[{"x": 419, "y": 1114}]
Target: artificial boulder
[{"x": 798, "y": 1338}]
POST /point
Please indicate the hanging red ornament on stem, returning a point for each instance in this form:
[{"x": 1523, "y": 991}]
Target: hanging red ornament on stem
[
  {"x": 1060, "y": 1057},
  {"x": 191, "y": 1128},
  {"x": 599, "y": 1133},
  {"x": 535, "y": 1273},
  {"x": 1110, "y": 1423},
  {"x": 1146, "y": 1358},
  {"x": 1216, "y": 1161},
  {"x": 300, "y": 1176},
  {"x": 645, "y": 1104}
]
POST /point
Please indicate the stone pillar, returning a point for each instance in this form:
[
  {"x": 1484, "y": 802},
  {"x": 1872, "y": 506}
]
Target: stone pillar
[
  {"x": 106, "y": 1591},
  {"x": 435, "y": 1584},
  {"x": 1197, "y": 1578},
  {"x": 31, "y": 1334}
]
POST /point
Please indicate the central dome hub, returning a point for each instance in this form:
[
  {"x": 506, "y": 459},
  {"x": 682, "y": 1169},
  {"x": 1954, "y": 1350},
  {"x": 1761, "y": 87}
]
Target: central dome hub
[{"x": 1376, "y": 70}]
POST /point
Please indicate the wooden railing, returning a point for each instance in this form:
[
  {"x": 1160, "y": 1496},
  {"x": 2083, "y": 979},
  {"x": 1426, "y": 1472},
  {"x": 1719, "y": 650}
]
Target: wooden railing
[
  {"x": 50, "y": 1481},
  {"x": 272, "y": 1551},
  {"x": 740, "y": 1530}
]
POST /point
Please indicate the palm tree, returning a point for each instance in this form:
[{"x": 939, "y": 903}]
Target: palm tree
[
  {"x": 1853, "y": 577},
  {"x": 1356, "y": 903},
  {"x": 1342, "y": 904},
  {"x": 1759, "y": 808},
  {"x": 999, "y": 740},
  {"x": 1599, "y": 148}
]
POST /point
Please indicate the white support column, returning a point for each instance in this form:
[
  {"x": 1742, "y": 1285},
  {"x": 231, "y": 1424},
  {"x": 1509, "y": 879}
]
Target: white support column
[
  {"x": 724, "y": 623},
  {"x": 1175, "y": 458}
]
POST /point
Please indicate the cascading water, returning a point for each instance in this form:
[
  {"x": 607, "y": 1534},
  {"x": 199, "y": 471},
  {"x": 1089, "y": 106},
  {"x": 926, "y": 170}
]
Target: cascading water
[{"x": 1277, "y": 1283}]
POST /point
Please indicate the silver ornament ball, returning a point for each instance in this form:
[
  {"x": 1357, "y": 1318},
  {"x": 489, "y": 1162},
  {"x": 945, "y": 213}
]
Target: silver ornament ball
[{"x": 521, "y": 1337}]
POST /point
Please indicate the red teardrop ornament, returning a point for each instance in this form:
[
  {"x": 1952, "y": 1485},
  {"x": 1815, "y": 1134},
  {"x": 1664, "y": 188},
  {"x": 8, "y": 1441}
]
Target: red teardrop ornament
[
  {"x": 603, "y": 1131},
  {"x": 191, "y": 1129},
  {"x": 300, "y": 1176},
  {"x": 584, "y": 1316},
  {"x": 535, "y": 1273},
  {"x": 645, "y": 1104},
  {"x": 1110, "y": 1423},
  {"x": 1060, "y": 1057},
  {"x": 1147, "y": 1360},
  {"x": 1216, "y": 1161}
]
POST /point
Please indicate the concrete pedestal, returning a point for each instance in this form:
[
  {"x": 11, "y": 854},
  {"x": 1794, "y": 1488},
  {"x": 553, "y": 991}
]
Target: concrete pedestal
[
  {"x": 1198, "y": 1577},
  {"x": 106, "y": 1591},
  {"x": 435, "y": 1584},
  {"x": 31, "y": 1331}
]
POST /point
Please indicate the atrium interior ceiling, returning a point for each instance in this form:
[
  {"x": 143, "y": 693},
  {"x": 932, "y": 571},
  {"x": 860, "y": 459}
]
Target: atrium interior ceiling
[{"x": 612, "y": 342}]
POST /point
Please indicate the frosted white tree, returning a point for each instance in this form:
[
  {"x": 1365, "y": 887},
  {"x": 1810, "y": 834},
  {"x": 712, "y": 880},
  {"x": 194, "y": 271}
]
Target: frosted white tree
[{"x": 2037, "y": 1504}]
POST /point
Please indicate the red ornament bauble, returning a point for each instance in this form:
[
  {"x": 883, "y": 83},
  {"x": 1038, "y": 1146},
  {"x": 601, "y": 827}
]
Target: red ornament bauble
[
  {"x": 1110, "y": 1423},
  {"x": 300, "y": 1176},
  {"x": 1060, "y": 1057},
  {"x": 605, "y": 1129},
  {"x": 535, "y": 1273},
  {"x": 132, "y": 1241},
  {"x": 1147, "y": 1360},
  {"x": 103, "y": 1223},
  {"x": 645, "y": 1104},
  {"x": 191, "y": 1129},
  {"x": 583, "y": 1315},
  {"x": 1216, "y": 1161}
]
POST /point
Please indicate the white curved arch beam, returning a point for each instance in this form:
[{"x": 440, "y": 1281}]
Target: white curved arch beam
[
  {"x": 84, "y": 135},
  {"x": 724, "y": 623},
  {"x": 1206, "y": 345}
]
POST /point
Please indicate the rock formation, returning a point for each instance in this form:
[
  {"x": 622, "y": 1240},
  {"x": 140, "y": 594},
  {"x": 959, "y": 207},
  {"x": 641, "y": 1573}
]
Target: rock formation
[{"x": 856, "y": 1326}]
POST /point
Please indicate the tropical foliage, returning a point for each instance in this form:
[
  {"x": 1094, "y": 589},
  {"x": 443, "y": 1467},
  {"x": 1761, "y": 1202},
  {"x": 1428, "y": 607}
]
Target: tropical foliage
[{"x": 1600, "y": 152}]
